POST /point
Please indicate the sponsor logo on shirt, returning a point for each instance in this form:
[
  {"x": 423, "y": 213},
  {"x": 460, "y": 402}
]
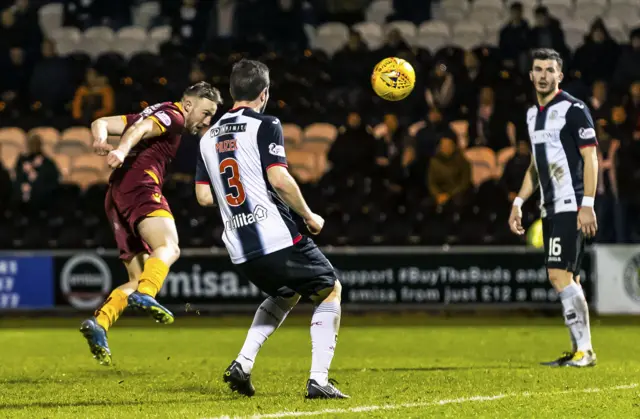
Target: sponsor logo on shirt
[
  {"x": 163, "y": 117},
  {"x": 276, "y": 150},
  {"x": 586, "y": 133},
  {"x": 228, "y": 129},
  {"x": 242, "y": 220},
  {"x": 275, "y": 121}
]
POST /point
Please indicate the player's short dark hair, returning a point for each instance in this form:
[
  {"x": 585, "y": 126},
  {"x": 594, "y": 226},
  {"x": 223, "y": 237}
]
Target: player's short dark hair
[
  {"x": 204, "y": 90},
  {"x": 546, "y": 54},
  {"x": 541, "y": 10},
  {"x": 248, "y": 79}
]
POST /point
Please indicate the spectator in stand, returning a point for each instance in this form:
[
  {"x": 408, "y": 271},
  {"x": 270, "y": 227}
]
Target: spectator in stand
[
  {"x": 286, "y": 26},
  {"x": 598, "y": 102},
  {"x": 26, "y": 23},
  {"x": 54, "y": 96},
  {"x": 353, "y": 151},
  {"x": 411, "y": 10},
  {"x": 394, "y": 45},
  {"x": 423, "y": 143},
  {"x": 93, "y": 100},
  {"x": 547, "y": 32},
  {"x": 37, "y": 177},
  {"x": 449, "y": 174},
  {"x": 352, "y": 63},
  {"x": 632, "y": 107},
  {"x": 389, "y": 151},
  {"x": 16, "y": 73},
  {"x": 607, "y": 206},
  {"x": 516, "y": 168},
  {"x": 628, "y": 67},
  {"x": 5, "y": 186},
  {"x": 441, "y": 90},
  {"x": 348, "y": 12},
  {"x": 490, "y": 126},
  {"x": 627, "y": 163},
  {"x": 469, "y": 83},
  {"x": 514, "y": 39},
  {"x": 596, "y": 58}
]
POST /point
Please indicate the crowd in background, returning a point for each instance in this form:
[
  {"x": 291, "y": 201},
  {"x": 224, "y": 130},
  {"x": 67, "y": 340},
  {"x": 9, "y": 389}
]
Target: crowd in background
[{"x": 398, "y": 166}]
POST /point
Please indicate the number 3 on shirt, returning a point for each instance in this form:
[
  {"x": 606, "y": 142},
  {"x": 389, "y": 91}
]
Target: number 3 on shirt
[{"x": 236, "y": 195}]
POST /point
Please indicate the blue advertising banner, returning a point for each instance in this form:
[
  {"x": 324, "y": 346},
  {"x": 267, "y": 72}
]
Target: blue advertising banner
[{"x": 26, "y": 282}]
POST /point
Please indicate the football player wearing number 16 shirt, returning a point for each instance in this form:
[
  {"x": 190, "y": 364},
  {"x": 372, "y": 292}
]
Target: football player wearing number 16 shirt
[
  {"x": 564, "y": 165},
  {"x": 242, "y": 162}
]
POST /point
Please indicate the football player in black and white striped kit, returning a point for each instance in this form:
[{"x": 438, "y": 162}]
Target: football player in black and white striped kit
[
  {"x": 564, "y": 165},
  {"x": 242, "y": 162}
]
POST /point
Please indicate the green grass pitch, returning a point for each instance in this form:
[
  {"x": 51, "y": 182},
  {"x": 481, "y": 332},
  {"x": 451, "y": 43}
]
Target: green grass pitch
[{"x": 392, "y": 366}]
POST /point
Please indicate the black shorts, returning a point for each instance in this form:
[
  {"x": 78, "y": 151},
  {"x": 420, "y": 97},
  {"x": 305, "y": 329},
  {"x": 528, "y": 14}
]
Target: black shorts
[
  {"x": 563, "y": 242},
  {"x": 301, "y": 268}
]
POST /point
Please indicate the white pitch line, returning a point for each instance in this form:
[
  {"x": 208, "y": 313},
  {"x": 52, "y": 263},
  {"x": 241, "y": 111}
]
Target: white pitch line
[{"x": 460, "y": 400}]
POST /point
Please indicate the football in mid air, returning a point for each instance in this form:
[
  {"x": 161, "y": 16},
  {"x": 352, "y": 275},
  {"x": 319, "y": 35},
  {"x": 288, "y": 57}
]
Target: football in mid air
[
  {"x": 393, "y": 79},
  {"x": 534, "y": 235}
]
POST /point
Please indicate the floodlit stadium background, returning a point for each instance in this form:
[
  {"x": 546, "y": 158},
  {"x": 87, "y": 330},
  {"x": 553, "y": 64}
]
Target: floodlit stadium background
[{"x": 370, "y": 167}]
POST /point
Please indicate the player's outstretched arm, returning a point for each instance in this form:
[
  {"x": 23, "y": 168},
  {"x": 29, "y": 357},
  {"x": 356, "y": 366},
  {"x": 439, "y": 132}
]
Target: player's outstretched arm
[
  {"x": 102, "y": 128},
  {"x": 529, "y": 185},
  {"x": 146, "y": 128},
  {"x": 287, "y": 188}
]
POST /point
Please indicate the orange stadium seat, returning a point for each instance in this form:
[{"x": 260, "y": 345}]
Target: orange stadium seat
[
  {"x": 75, "y": 141},
  {"x": 299, "y": 158},
  {"x": 89, "y": 163},
  {"x": 483, "y": 164},
  {"x": 317, "y": 147},
  {"x": 503, "y": 157},
  {"x": 63, "y": 162},
  {"x": 9, "y": 153},
  {"x": 49, "y": 136},
  {"x": 320, "y": 132},
  {"x": 14, "y": 136},
  {"x": 292, "y": 135},
  {"x": 84, "y": 179},
  {"x": 461, "y": 129}
]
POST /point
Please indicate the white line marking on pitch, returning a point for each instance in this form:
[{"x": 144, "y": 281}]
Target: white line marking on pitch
[{"x": 460, "y": 400}]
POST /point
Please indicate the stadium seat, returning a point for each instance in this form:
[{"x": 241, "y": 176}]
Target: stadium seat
[
  {"x": 92, "y": 47},
  {"x": 50, "y": 17},
  {"x": 160, "y": 34},
  {"x": 48, "y": 135},
  {"x": 574, "y": 32},
  {"x": 65, "y": 47},
  {"x": 461, "y": 129},
  {"x": 13, "y": 135},
  {"x": 559, "y": 9},
  {"x": 453, "y": 11},
  {"x": 84, "y": 178},
  {"x": 130, "y": 48},
  {"x": 99, "y": 33},
  {"x": 320, "y": 132},
  {"x": 468, "y": 34},
  {"x": 292, "y": 135},
  {"x": 132, "y": 33},
  {"x": 63, "y": 162},
  {"x": 615, "y": 26},
  {"x": 502, "y": 157},
  {"x": 299, "y": 159},
  {"x": 406, "y": 29},
  {"x": 486, "y": 11},
  {"x": 433, "y": 35},
  {"x": 629, "y": 15},
  {"x": 331, "y": 36},
  {"x": 89, "y": 163},
  {"x": 371, "y": 34},
  {"x": 378, "y": 11},
  {"x": 75, "y": 141},
  {"x": 66, "y": 34},
  {"x": 483, "y": 164},
  {"x": 9, "y": 154},
  {"x": 589, "y": 10},
  {"x": 144, "y": 14}
]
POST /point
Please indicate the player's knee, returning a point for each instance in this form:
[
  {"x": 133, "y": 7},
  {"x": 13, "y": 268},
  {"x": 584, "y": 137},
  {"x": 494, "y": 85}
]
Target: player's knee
[
  {"x": 337, "y": 289},
  {"x": 560, "y": 278},
  {"x": 172, "y": 250},
  {"x": 287, "y": 304}
]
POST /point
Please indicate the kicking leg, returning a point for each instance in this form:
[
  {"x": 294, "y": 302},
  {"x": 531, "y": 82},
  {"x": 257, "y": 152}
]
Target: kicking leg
[
  {"x": 95, "y": 329},
  {"x": 269, "y": 316},
  {"x": 325, "y": 325},
  {"x": 160, "y": 234}
]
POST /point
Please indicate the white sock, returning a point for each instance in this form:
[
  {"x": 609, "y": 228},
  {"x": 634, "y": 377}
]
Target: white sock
[
  {"x": 267, "y": 319},
  {"x": 576, "y": 315},
  {"x": 325, "y": 324}
]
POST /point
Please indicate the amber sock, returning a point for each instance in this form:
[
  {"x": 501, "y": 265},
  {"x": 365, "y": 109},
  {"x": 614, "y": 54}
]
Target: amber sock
[
  {"x": 111, "y": 309},
  {"x": 153, "y": 276}
]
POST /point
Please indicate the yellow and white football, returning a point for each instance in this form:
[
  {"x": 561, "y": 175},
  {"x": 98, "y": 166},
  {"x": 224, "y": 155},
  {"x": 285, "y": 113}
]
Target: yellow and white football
[{"x": 393, "y": 79}]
